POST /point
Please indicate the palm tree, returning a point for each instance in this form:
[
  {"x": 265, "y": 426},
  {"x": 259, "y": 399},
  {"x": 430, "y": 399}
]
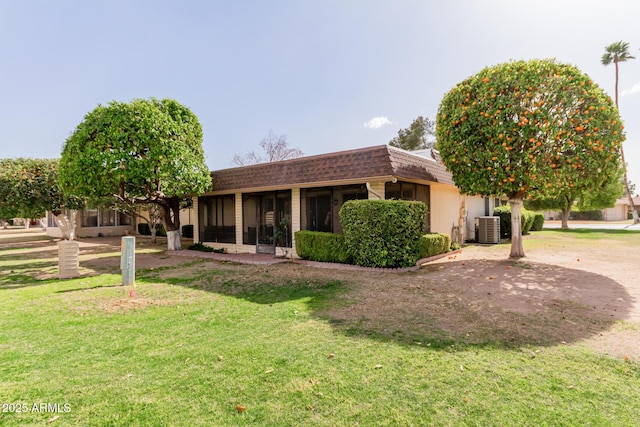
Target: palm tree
[{"x": 619, "y": 52}]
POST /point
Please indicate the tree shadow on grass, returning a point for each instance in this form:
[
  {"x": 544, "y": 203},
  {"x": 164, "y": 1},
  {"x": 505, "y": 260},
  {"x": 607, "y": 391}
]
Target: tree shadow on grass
[
  {"x": 485, "y": 302},
  {"x": 38, "y": 264},
  {"x": 476, "y": 303}
]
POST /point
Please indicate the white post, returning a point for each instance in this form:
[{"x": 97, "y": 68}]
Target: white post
[{"x": 128, "y": 260}]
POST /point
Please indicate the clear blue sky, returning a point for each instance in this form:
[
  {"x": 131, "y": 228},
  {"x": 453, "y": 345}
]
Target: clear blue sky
[{"x": 315, "y": 71}]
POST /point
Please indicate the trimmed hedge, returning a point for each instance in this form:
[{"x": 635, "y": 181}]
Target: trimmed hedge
[
  {"x": 594, "y": 215},
  {"x": 145, "y": 230},
  {"x": 321, "y": 246},
  {"x": 383, "y": 233},
  {"x": 504, "y": 212},
  {"x": 528, "y": 218},
  {"x": 434, "y": 244},
  {"x": 538, "y": 222}
]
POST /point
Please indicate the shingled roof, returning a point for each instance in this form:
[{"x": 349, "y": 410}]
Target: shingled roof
[{"x": 352, "y": 165}]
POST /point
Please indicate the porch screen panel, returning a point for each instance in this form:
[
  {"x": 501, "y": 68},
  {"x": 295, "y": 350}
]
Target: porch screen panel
[{"x": 216, "y": 219}]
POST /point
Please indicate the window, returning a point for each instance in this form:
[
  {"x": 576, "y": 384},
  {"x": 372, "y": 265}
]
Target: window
[
  {"x": 400, "y": 190},
  {"x": 124, "y": 219},
  {"x": 107, "y": 218},
  {"x": 217, "y": 219},
  {"x": 89, "y": 218},
  {"x": 410, "y": 191},
  {"x": 319, "y": 207}
]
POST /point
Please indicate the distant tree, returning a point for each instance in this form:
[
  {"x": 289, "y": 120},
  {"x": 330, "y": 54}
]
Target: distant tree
[
  {"x": 615, "y": 53},
  {"x": 601, "y": 197},
  {"x": 145, "y": 152},
  {"x": 415, "y": 136},
  {"x": 528, "y": 129},
  {"x": 275, "y": 148},
  {"x": 29, "y": 188}
]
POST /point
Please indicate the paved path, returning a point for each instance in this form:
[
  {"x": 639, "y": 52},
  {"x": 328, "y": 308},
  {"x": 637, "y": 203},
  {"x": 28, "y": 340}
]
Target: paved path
[{"x": 595, "y": 225}]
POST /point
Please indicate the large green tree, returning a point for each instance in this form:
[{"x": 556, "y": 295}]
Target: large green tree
[
  {"x": 600, "y": 197},
  {"x": 147, "y": 151},
  {"x": 415, "y": 136},
  {"x": 528, "y": 129},
  {"x": 29, "y": 188},
  {"x": 616, "y": 53}
]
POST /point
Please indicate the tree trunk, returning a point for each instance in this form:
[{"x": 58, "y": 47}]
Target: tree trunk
[
  {"x": 26, "y": 223},
  {"x": 171, "y": 220},
  {"x": 173, "y": 240},
  {"x": 634, "y": 212},
  {"x": 67, "y": 225},
  {"x": 565, "y": 218},
  {"x": 153, "y": 230},
  {"x": 515, "y": 201}
]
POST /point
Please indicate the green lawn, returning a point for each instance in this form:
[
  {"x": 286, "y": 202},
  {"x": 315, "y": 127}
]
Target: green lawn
[{"x": 200, "y": 340}]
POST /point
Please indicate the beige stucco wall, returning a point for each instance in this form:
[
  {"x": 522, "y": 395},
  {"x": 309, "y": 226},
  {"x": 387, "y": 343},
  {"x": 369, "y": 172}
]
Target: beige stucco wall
[
  {"x": 445, "y": 208},
  {"x": 616, "y": 213},
  {"x": 376, "y": 190},
  {"x": 474, "y": 206},
  {"x": 196, "y": 222},
  {"x": 188, "y": 216},
  {"x": 295, "y": 218}
]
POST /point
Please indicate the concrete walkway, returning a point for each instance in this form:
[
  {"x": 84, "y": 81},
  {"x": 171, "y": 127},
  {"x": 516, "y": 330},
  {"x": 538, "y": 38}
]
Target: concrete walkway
[
  {"x": 267, "y": 259},
  {"x": 247, "y": 258},
  {"x": 595, "y": 225}
]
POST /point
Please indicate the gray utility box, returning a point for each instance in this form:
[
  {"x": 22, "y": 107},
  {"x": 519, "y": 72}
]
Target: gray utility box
[{"x": 488, "y": 229}]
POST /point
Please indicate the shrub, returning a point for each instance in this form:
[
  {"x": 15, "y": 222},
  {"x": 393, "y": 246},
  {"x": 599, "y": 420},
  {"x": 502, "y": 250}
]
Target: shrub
[
  {"x": 527, "y": 218},
  {"x": 145, "y": 230},
  {"x": 504, "y": 212},
  {"x": 187, "y": 231},
  {"x": 383, "y": 233},
  {"x": 434, "y": 244},
  {"x": 595, "y": 215},
  {"x": 321, "y": 246},
  {"x": 538, "y": 222},
  {"x": 204, "y": 248}
]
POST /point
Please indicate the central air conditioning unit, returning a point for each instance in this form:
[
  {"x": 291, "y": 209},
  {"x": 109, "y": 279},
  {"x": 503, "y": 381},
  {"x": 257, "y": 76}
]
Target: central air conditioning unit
[{"x": 489, "y": 229}]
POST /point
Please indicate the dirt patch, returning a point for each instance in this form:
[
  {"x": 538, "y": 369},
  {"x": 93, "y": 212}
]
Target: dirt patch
[{"x": 588, "y": 290}]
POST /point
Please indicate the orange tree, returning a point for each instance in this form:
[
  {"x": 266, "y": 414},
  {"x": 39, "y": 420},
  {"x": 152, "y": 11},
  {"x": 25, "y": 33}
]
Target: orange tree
[
  {"x": 29, "y": 188},
  {"x": 144, "y": 152},
  {"x": 523, "y": 129}
]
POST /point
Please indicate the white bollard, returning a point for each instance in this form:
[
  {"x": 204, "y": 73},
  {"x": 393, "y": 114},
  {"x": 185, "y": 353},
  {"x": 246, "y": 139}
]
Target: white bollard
[{"x": 68, "y": 262}]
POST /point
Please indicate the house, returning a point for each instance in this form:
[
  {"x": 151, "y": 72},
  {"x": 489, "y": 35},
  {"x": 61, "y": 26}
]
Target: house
[
  {"x": 621, "y": 210},
  {"x": 95, "y": 222},
  {"x": 248, "y": 205},
  {"x": 110, "y": 222}
]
